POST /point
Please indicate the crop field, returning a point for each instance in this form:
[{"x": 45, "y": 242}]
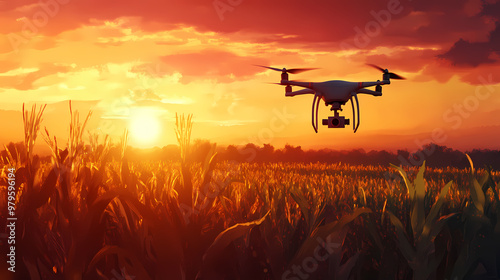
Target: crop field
[{"x": 84, "y": 215}]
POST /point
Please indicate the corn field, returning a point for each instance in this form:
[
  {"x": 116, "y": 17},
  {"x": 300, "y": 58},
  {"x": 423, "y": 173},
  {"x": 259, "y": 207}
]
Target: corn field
[{"x": 85, "y": 216}]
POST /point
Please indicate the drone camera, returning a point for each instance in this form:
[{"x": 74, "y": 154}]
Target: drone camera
[{"x": 336, "y": 122}]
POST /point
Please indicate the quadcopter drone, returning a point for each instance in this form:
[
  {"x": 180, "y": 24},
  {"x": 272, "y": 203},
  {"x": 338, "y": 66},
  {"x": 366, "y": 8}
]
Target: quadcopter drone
[{"x": 335, "y": 93}]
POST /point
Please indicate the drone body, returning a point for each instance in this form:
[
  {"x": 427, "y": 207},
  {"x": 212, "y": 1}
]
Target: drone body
[{"x": 335, "y": 93}]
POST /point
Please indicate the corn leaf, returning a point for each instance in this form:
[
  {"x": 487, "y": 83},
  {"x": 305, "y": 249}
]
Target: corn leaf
[
  {"x": 32, "y": 269},
  {"x": 418, "y": 211},
  {"x": 431, "y": 218},
  {"x": 46, "y": 190},
  {"x": 471, "y": 163},
  {"x": 440, "y": 223},
  {"x": 227, "y": 236},
  {"x": 477, "y": 194},
  {"x": 136, "y": 268},
  {"x": 302, "y": 202},
  {"x": 363, "y": 195},
  {"x": 345, "y": 270},
  {"x": 322, "y": 232},
  {"x": 384, "y": 210},
  {"x": 404, "y": 245},
  {"x": 408, "y": 184}
]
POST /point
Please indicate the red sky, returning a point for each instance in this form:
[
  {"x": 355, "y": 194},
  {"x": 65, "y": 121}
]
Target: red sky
[{"x": 143, "y": 61}]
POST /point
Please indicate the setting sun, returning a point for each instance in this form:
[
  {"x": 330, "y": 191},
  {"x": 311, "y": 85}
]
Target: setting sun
[{"x": 144, "y": 127}]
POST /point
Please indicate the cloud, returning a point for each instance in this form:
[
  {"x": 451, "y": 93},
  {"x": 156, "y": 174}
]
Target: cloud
[
  {"x": 455, "y": 26},
  {"x": 25, "y": 78},
  {"x": 397, "y": 58},
  {"x": 178, "y": 100},
  {"x": 8, "y": 65},
  {"x": 297, "y": 21},
  {"x": 212, "y": 64},
  {"x": 144, "y": 95},
  {"x": 466, "y": 53}
]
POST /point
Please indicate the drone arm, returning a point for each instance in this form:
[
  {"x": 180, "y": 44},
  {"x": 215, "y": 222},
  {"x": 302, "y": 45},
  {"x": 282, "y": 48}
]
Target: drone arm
[
  {"x": 300, "y": 92},
  {"x": 367, "y": 91},
  {"x": 371, "y": 84},
  {"x": 300, "y": 84}
]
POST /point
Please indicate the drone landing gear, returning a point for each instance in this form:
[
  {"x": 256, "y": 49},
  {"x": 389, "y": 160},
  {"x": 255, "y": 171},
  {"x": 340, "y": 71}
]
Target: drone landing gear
[
  {"x": 355, "y": 125},
  {"x": 316, "y": 101},
  {"x": 336, "y": 121}
]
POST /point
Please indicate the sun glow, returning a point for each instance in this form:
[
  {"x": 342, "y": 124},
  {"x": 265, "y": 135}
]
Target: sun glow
[{"x": 144, "y": 127}]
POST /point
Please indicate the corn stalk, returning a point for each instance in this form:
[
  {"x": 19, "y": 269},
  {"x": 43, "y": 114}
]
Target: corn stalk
[
  {"x": 31, "y": 123},
  {"x": 183, "y": 126}
]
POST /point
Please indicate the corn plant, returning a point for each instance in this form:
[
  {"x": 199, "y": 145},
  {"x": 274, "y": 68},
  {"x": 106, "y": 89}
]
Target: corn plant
[
  {"x": 420, "y": 252},
  {"x": 334, "y": 232},
  {"x": 87, "y": 216},
  {"x": 98, "y": 151},
  {"x": 481, "y": 229},
  {"x": 31, "y": 126},
  {"x": 35, "y": 185},
  {"x": 76, "y": 145},
  {"x": 183, "y": 126}
]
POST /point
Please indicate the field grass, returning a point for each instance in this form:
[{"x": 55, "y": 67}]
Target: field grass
[{"x": 85, "y": 216}]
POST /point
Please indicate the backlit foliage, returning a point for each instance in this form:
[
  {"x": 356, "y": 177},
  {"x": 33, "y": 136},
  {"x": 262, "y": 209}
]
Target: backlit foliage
[{"x": 84, "y": 215}]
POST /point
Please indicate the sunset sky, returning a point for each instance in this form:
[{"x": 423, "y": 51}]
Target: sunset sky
[{"x": 137, "y": 63}]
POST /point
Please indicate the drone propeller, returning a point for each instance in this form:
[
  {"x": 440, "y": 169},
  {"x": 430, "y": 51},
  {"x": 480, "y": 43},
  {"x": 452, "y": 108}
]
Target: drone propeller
[
  {"x": 291, "y": 71},
  {"x": 385, "y": 71}
]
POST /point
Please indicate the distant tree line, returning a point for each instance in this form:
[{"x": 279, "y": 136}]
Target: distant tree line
[{"x": 434, "y": 155}]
